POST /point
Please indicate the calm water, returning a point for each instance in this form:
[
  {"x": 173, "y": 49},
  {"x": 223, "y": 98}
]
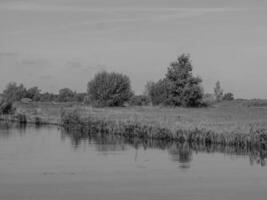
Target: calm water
[{"x": 46, "y": 163}]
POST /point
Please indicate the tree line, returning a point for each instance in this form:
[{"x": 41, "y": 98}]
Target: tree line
[
  {"x": 17, "y": 92},
  {"x": 179, "y": 87}
]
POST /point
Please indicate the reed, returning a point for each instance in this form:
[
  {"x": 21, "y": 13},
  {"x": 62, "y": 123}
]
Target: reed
[
  {"x": 131, "y": 128},
  {"x": 179, "y": 151},
  {"x": 21, "y": 118}
]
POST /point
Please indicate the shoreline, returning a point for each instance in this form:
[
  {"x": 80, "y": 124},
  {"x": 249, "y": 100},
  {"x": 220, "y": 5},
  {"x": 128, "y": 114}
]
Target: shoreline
[{"x": 231, "y": 124}]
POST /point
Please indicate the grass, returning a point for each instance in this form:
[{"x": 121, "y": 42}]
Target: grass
[{"x": 233, "y": 123}]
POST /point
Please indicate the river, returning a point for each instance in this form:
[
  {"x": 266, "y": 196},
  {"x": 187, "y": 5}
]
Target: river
[{"x": 48, "y": 163}]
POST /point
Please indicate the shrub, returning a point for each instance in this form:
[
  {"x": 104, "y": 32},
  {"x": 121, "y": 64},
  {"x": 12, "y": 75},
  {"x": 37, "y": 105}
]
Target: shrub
[
  {"x": 228, "y": 96},
  {"x": 139, "y": 100},
  {"x": 70, "y": 117},
  {"x": 109, "y": 89},
  {"x": 208, "y": 99},
  {"x": 6, "y": 108},
  {"x": 65, "y": 95}
]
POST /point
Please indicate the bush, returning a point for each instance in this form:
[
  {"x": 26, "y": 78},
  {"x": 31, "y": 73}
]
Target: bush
[
  {"x": 6, "y": 108},
  {"x": 65, "y": 95},
  {"x": 228, "y": 96},
  {"x": 208, "y": 99},
  {"x": 139, "y": 100},
  {"x": 109, "y": 89}
]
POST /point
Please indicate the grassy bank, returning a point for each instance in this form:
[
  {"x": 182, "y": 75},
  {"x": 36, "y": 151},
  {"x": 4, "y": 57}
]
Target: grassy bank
[{"x": 233, "y": 123}]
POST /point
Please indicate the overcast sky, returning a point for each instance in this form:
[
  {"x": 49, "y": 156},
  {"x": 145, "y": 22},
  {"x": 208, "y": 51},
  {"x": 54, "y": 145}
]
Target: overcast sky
[{"x": 63, "y": 43}]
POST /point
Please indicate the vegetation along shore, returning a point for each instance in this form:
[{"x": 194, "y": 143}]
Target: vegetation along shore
[{"x": 173, "y": 108}]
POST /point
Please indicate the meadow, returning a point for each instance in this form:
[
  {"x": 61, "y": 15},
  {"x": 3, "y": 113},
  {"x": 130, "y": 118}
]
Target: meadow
[{"x": 239, "y": 116}]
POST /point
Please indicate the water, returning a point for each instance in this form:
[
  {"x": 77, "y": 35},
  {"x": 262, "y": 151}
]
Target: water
[{"x": 46, "y": 163}]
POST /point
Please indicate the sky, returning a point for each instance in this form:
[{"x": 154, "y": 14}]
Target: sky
[{"x": 63, "y": 43}]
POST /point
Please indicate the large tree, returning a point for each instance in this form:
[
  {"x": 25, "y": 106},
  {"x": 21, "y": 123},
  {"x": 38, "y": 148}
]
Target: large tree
[
  {"x": 109, "y": 89},
  {"x": 14, "y": 92},
  {"x": 179, "y": 87},
  {"x": 185, "y": 88}
]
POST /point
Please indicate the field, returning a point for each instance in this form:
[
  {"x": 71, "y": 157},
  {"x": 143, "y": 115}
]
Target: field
[{"x": 239, "y": 116}]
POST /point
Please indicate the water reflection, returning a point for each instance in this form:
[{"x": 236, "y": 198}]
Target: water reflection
[
  {"x": 182, "y": 153},
  {"x": 7, "y": 129}
]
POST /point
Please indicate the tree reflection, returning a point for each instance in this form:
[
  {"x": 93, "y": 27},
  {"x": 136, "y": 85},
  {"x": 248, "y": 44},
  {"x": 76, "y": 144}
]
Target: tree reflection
[
  {"x": 182, "y": 153},
  {"x": 179, "y": 152}
]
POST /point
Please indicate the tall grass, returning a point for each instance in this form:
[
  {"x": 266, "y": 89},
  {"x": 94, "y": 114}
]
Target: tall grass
[
  {"x": 179, "y": 151},
  {"x": 131, "y": 128}
]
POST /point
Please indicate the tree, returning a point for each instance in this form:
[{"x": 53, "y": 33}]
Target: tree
[
  {"x": 228, "y": 96},
  {"x": 218, "y": 92},
  {"x": 139, "y": 100},
  {"x": 66, "y": 95},
  {"x": 14, "y": 92},
  {"x": 79, "y": 97},
  {"x": 184, "y": 89},
  {"x": 48, "y": 97},
  {"x": 159, "y": 92},
  {"x": 179, "y": 87},
  {"x": 34, "y": 93},
  {"x": 109, "y": 89},
  {"x": 148, "y": 87}
]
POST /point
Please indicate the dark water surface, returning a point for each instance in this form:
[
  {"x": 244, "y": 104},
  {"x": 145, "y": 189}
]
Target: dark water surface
[{"x": 46, "y": 163}]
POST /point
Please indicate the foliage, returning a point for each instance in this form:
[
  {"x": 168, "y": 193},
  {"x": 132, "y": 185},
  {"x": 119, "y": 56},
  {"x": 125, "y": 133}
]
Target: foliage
[
  {"x": 159, "y": 92},
  {"x": 179, "y": 87},
  {"x": 185, "y": 88},
  {"x": 79, "y": 97},
  {"x": 109, "y": 89},
  {"x": 228, "y": 96},
  {"x": 148, "y": 87},
  {"x": 208, "y": 99},
  {"x": 14, "y": 92},
  {"x": 139, "y": 100},
  {"x": 34, "y": 93},
  {"x": 66, "y": 95},
  {"x": 218, "y": 91},
  {"x": 6, "y": 108}
]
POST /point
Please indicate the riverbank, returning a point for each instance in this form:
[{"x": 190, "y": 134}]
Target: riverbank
[{"x": 229, "y": 123}]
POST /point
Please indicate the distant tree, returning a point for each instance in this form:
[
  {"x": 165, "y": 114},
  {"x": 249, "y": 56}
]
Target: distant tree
[
  {"x": 148, "y": 87},
  {"x": 228, "y": 96},
  {"x": 14, "y": 92},
  {"x": 159, "y": 92},
  {"x": 48, "y": 97},
  {"x": 34, "y": 93},
  {"x": 218, "y": 92},
  {"x": 79, "y": 97},
  {"x": 66, "y": 95},
  {"x": 179, "y": 87},
  {"x": 185, "y": 89},
  {"x": 139, "y": 100},
  {"x": 109, "y": 89}
]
